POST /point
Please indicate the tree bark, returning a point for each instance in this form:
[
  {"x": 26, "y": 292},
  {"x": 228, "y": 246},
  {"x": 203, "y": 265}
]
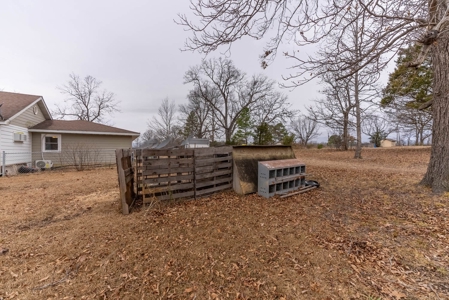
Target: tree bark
[
  {"x": 437, "y": 175},
  {"x": 358, "y": 148},
  {"x": 358, "y": 117},
  {"x": 345, "y": 131}
]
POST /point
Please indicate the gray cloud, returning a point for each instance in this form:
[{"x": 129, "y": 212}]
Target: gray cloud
[{"x": 133, "y": 47}]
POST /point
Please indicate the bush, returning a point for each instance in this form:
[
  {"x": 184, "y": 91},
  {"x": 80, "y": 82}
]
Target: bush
[{"x": 320, "y": 146}]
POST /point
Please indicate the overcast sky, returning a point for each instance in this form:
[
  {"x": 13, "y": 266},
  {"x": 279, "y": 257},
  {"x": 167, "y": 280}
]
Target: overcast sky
[{"x": 132, "y": 46}]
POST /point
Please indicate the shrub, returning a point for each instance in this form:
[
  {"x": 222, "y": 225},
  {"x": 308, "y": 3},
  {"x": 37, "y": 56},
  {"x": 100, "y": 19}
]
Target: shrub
[{"x": 320, "y": 146}]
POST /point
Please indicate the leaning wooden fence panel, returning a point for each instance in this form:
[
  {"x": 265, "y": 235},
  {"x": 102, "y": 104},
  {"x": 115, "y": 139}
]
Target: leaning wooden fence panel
[
  {"x": 166, "y": 174},
  {"x": 172, "y": 174},
  {"x": 125, "y": 178},
  {"x": 213, "y": 170}
]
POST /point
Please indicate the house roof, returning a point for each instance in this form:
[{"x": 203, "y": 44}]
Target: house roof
[
  {"x": 13, "y": 103},
  {"x": 79, "y": 127}
]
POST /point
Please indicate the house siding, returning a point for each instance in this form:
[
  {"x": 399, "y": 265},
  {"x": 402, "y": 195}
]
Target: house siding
[
  {"x": 16, "y": 152},
  {"x": 28, "y": 119},
  {"x": 101, "y": 148}
]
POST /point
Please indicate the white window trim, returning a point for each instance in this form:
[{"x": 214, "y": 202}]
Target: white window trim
[{"x": 58, "y": 136}]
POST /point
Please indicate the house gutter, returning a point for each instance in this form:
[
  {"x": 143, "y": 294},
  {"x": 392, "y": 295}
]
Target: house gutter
[{"x": 84, "y": 132}]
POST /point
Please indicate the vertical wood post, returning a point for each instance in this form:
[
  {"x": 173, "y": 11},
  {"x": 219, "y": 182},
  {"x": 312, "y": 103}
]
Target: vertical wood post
[{"x": 121, "y": 181}]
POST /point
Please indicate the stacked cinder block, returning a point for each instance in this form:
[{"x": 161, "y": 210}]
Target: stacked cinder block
[{"x": 279, "y": 177}]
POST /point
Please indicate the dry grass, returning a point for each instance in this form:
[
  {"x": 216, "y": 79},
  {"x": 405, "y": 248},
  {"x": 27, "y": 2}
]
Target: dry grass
[{"x": 370, "y": 231}]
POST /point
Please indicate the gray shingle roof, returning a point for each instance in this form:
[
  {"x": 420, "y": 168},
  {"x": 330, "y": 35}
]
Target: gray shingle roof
[
  {"x": 79, "y": 125},
  {"x": 14, "y": 103}
]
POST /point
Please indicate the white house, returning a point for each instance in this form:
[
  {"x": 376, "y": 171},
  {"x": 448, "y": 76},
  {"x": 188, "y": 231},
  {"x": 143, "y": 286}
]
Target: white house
[
  {"x": 192, "y": 142},
  {"x": 18, "y": 112},
  {"x": 29, "y": 133}
]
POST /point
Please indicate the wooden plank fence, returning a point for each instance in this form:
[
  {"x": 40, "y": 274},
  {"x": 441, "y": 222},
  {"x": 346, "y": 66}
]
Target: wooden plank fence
[
  {"x": 213, "y": 170},
  {"x": 182, "y": 173},
  {"x": 125, "y": 172},
  {"x": 172, "y": 174},
  {"x": 165, "y": 174}
]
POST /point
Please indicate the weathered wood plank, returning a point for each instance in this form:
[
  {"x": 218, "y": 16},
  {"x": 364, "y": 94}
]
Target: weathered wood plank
[
  {"x": 212, "y": 168},
  {"x": 212, "y": 182},
  {"x": 214, "y": 174},
  {"x": 159, "y": 171},
  {"x": 149, "y": 198},
  {"x": 167, "y": 178},
  {"x": 213, "y": 190},
  {"x": 208, "y": 161},
  {"x": 122, "y": 181},
  {"x": 165, "y": 188},
  {"x": 128, "y": 171},
  {"x": 167, "y": 161},
  {"x": 167, "y": 152},
  {"x": 165, "y": 167}
]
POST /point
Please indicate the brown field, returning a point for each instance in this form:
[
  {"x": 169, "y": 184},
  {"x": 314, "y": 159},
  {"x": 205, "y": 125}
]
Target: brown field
[{"x": 369, "y": 232}]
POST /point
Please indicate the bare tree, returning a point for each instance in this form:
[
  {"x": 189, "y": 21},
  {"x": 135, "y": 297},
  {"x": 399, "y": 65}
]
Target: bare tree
[
  {"x": 358, "y": 88},
  {"x": 377, "y": 127},
  {"x": 392, "y": 25},
  {"x": 201, "y": 111},
  {"x": 86, "y": 101},
  {"x": 305, "y": 129},
  {"x": 227, "y": 91},
  {"x": 148, "y": 135},
  {"x": 272, "y": 109},
  {"x": 334, "y": 111},
  {"x": 164, "y": 125},
  {"x": 411, "y": 120}
]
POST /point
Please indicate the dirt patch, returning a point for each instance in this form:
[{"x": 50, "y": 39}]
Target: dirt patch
[{"x": 368, "y": 232}]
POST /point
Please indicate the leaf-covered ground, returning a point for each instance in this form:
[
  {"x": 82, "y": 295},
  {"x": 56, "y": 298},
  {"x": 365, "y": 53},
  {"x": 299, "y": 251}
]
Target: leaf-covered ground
[{"x": 369, "y": 232}]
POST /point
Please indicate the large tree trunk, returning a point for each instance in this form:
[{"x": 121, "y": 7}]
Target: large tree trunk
[
  {"x": 358, "y": 147},
  {"x": 437, "y": 175},
  {"x": 421, "y": 136},
  {"x": 345, "y": 131},
  {"x": 228, "y": 135},
  {"x": 358, "y": 117},
  {"x": 416, "y": 137}
]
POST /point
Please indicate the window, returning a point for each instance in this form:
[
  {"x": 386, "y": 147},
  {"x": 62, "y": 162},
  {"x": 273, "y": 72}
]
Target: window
[{"x": 51, "y": 143}]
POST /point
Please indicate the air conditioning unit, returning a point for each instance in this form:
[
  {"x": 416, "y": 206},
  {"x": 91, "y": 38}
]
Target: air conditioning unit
[
  {"x": 19, "y": 137},
  {"x": 44, "y": 164}
]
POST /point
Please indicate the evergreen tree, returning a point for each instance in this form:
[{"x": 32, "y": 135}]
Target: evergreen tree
[
  {"x": 413, "y": 84},
  {"x": 279, "y": 132},
  {"x": 408, "y": 96},
  {"x": 244, "y": 126},
  {"x": 191, "y": 125},
  {"x": 262, "y": 135}
]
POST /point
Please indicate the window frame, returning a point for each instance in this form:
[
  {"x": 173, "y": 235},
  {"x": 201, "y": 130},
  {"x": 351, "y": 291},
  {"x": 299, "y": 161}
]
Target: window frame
[{"x": 43, "y": 142}]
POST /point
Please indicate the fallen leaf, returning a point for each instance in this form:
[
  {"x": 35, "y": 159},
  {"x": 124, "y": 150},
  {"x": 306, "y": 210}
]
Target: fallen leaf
[{"x": 397, "y": 295}]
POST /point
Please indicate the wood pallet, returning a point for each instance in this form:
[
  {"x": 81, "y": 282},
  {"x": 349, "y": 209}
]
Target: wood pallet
[
  {"x": 126, "y": 178},
  {"x": 172, "y": 174}
]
